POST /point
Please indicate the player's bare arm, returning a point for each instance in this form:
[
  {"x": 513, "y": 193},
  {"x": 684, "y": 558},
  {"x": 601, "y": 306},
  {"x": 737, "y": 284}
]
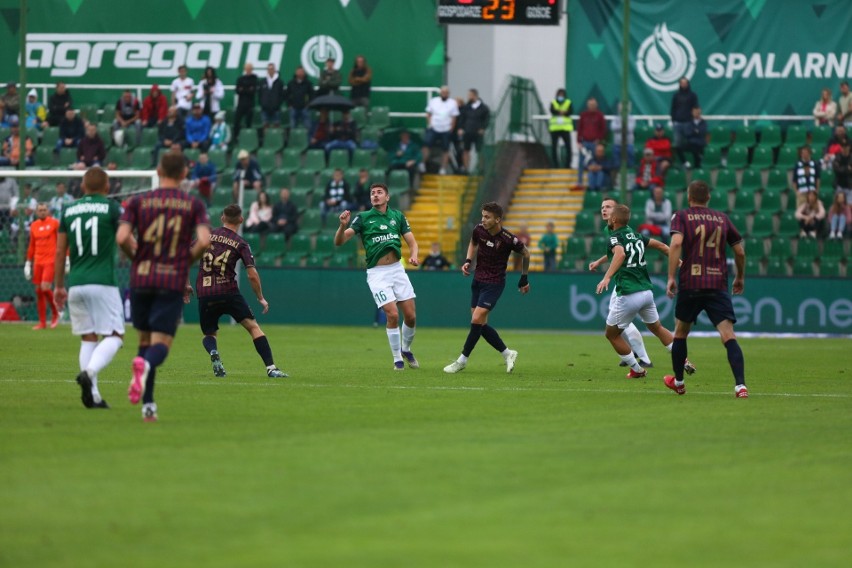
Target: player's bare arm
[
  {"x": 595, "y": 263},
  {"x": 125, "y": 240},
  {"x": 739, "y": 261},
  {"x": 187, "y": 291},
  {"x": 618, "y": 257},
  {"x": 675, "y": 249},
  {"x": 471, "y": 254},
  {"x": 343, "y": 234},
  {"x": 254, "y": 280},
  {"x": 60, "y": 294},
  {"x": 202, "y": 242},
  {"x": 414, "y": 251}
]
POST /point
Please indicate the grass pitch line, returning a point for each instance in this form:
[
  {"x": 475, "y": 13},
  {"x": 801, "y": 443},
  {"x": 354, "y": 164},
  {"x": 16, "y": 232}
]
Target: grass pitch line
[{"x": 460, "y": 388}]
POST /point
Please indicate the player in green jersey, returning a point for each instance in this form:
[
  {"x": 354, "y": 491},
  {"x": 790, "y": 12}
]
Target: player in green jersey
[
  {"x": 382, "y": 231},
  {"x": 87, "y": 235},
  {"x": 633, "y": 287}
]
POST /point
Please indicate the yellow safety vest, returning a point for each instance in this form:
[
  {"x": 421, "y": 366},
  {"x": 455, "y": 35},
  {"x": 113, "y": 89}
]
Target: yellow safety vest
[{"x": 561, "y": 122}]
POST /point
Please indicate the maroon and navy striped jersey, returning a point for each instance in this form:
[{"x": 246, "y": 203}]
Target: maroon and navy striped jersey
[
  {"x": 165, "y": 221},
  {"x": 217, "y": 274},
  {"x": 705, "y": 233},
  {"x": 493, "y": 253}
]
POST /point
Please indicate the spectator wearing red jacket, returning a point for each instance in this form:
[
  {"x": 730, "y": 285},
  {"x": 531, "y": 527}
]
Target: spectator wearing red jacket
[
  {"x": 646, "y": 174},
  {"x": 154, "y": 108},
  {"x": 591, "y": 130},
  {"x": 662, "y": 148}
]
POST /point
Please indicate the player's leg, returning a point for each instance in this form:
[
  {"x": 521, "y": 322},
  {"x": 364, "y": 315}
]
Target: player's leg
[
  {"x": 41, "y": 299},
  {"x": 404, "y": 292},
  {"x": 720, "y": 310},
  {"x": 478, "y": 318},
  {"x": 633, "y": 336},
  {"x": 208, "y": 319},
  {"x": 491, "y": 294},
  {"x": 622, "y": 311},
  {"x": 261, "y": 345},
  {"x": 106, "y": 312},
  {"x": 679, "y": 351},
  {"x": 380, "y": 281}
]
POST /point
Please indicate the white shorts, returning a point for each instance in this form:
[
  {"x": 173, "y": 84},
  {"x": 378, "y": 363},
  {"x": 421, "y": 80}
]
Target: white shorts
[
  {"x": 389, "y": 283},
  {"x": 95, "y": 308},
  {"x": 623, "y": 309}
]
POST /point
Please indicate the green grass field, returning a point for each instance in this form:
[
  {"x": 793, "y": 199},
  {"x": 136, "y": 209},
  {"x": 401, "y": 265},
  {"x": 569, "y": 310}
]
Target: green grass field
[{"x": 347, "y": 463}]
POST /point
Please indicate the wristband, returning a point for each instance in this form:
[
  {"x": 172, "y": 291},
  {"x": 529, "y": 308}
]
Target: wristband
[
  {"x": 523, "y": 281},
  {"x": 467, "y": 261}
]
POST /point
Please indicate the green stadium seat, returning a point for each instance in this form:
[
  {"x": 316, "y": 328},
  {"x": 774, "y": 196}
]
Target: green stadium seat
[
  {"x": 359, "y": 115},
  {"x": 830, "y": 267},
  {"x": 119, "y": 157},
  {"x": 585, "y": 223},
  {"x": 712, "y": 157},
  {"x": 820, "y": 136},
  {"x": 642, "y": 133},
  {"x": 291, "y": 159},
  {"x": 789, "y": 225},
  {"x": 44, "y": 157},
  {"x": 745, "y": 136},
  {"x": 770, "y": 201},
  {"x": 398, "y": 181},
  {"x": 726, "y": 180},
  {"x": 770, "y": 136},
  {"x": 324, "y": 246},
  {"x": 744, "y": 200},
  {"x": 778, "y": 179},
  {"x": 105, "y": 132},
  {"x": 338, "y": 159},
  {"x": 340, "y": 260},
  {"x": 301, "y": 197},
  {"x": 574, "y": 249},
  {"x": 248, "y": 140},
  {"x": 150, "y": 137},
  {"x": 306, "y": 178},
  {"x": 89, "y": 112},
  {"x": 787, "y": 157},
  {"x": 380, "y": 117},
  {"x": 298, "y": 139},
  {"x": 253, "y": 239},
  {"x": 267, "y": 159},
  {"x": 222, "y": 196},
  {"x": 761, "y": 158},
  {"x": 751, "y": 179},
  {"x": 699, "y": 173},
  {"x": 67, "y": 157},
  {"x": 191, "y": 154},
  {"x": 218, "y": 158},
  {"x": 762, "y": 225},
  {"x": 598, "y": 246},
  {"x": 316, "y": 261},
  {"x": 315, "y": 160},
  {"x": 292, "y": 261},
  {"x": 754, "y": 247},
  {"x": 273, "y": 138},
  {"x": 279, "y": 179},
  {"x": 803, "y": 266},
  {"x": 776, "y": 267},
  {"x": 753, "y": 266},
  {"x": 301, "y": 244},
  {"x": 362, "y": 158},
  {"x": 378, "y": 175},
  {"x": 807, "y": 247},
  {"x": 311, "y": 222},
  {"x": 276, "y": 242},
  {"x": 720, "y": 136},
  {"x": 826, "y": 182},
  {"x": 676, "y": 179},
  {"x": 266, "y": 259},
  {"x": 796, "y": 136},
  {"x": 832, "y": 248},
  {"x": 780, "y": 248},
  {"x": 371, "y": 133},
  {"x": 140, "y": 158},
  {"x": 49, "y": 137},
  {"x": 737, "y": 156},
  {"x": 592, "y": 200}
]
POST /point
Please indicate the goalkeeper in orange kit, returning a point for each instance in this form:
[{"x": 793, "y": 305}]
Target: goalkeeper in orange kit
[{"x": 40, "y": 263}]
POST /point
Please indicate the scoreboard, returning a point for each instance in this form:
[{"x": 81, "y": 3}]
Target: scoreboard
[{"x": 497, "y": 12}]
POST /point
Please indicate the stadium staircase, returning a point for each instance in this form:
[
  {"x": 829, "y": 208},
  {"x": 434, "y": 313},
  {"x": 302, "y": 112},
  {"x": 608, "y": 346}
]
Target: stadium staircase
[
  {"x": 435, "y": 212},
  {"x": 540, "y": 197}
]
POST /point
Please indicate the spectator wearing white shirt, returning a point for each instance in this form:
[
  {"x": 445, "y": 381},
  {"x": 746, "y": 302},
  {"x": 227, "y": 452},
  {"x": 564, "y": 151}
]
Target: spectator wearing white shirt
[
  {"x": 441, "y": 114},
  {"x": 183, "y": 89},
  {"x": 658, "y": 215},
  {"x": 210, "y": 92}
]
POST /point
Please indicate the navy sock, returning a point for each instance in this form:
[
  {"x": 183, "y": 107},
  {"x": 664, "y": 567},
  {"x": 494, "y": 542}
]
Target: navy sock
[
  {"x": 156, "y": 354},
  {"x": 472, "y": 338},
  {"x": 148, "y": 395},
  {"x": 142, "y": 350},
  {"x": 209, "y": 343},
  {"x": 261, "y": 344},
  {"x": 493, "y": 338},
  {"x": 736, "y": 360},
  {"x": 678, "y": 357}
]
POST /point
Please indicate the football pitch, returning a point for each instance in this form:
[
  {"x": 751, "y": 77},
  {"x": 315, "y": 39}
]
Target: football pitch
[{"x": 348, "y": 463}]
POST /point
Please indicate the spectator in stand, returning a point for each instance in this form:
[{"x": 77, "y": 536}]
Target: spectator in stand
[
  {"x": 330, "y": 79},
  {"x": 549, "y": 244},
  {"x": 259, "y": 219},
  {"x": 662, "y": 148},
  {"x": 337, "y": 197},
  {"x": 406, "y": 156},
  {"x": 457, "y": 138},
  {"x": 646, "y": 175},
  {"x": 825, "y": 109},
  {"x": 361, "y": 193},
  {"x": 615, "y": 126},
  {"x": 59, "y": 201},
  {"x": 3, "y": 116},
  {"x": 183, "y": 88},
  {"x": 599, "y": 167},
  {"x": 435, "y": 260},
  {"x": 247, "y": 171},
  {"x": 811, "y": 216},
  {"x": 320, "y": 132},
  {"x": 11, "y": 99},
  {"x": 471, "y": 129},
  {"x": 360, "y": 78},
  {"x": 198, "y": 127},
  {"x": 285, "y": 215},
  {"x": 805, "y": 175},
  {"x": 839, "y": 216},
  {"x": 658, "y": 215},
  {"x": 91, "y": 150},
  {"x": 561, "y": 125},
  {"x": 171, "y": 131},
  {"x": 59, "y": 102},
  {"x": 8, "y": 200},
  {"x": 246, "y": 90},
  {"x": 683, "y": 101},
  {"x": 127, "y": 111},
  {"x": 591, "y": 130},
  {"x": 838, "y": 139},
  {"x": 115, "y": 183},
  {"x": 843, "y": 171},
  {"x": 202, "y": 176},
  {"x": 155, "y": 108},
  {"x": 12, "y": 146},
  {"x": 300, "y": 91},
  {"x": 343, "y": 135},
  {"x": 210, "y": 92},
  {"x": 71, "y": 131},
  {"x": 271, "y": 95},
  {"x": 22, "y": 218},
  {"x": 844, "y": 105},
  {"x": 441, "y": 114},
  {"x": 220, "y": 133},
  {"x": 694, "y": 139},
  {"x": 35, "y": 112}
]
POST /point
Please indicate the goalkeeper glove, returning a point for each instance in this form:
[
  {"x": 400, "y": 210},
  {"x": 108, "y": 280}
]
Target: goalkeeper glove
[
  {"x": 28, "y": 270},
  {"x": 523, "y": 281},
  {"x": 67, "y": 264}
]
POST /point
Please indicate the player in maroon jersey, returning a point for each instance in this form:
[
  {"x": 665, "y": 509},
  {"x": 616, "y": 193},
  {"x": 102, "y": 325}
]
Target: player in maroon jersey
[
  {"x": 165, "y": 220},
  {"x": 492, "y": 245},
  {"x": 219, "y": 294},
  {"x": 699, "y": 236}
]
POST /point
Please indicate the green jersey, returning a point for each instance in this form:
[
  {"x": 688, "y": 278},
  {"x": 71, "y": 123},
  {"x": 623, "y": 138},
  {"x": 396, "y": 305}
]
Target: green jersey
[
  {"x": 380, "y": 232},
  {"x": 90, "y": 224},
  {"x": 608, "y": 248},
  {"x": 633, "y": 276}
]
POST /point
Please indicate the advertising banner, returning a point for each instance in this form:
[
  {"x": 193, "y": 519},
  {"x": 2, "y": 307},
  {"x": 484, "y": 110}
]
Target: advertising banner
[{"x": 741, "y": 56}]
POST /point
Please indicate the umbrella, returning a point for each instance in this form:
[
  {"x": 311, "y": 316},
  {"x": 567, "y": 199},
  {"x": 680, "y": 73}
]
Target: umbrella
[{"x": 331, "y": 102}]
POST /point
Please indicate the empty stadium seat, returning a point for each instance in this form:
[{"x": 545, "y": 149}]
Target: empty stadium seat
[
  {"x": 737, "y": 156},
  {"x": 298, "y": 139},
  {"x": 291, "y": 159},
  {"x": 380, "y": 117},
  {"x": 745, "y": 136},
  {"x": 744, "y": 200},
  {"x": 720, "y": 136},
  {"x": 762, "y": 225},
  {"x": 585, "y": 223},
  {"x": 751, "y": 179},
  {"x": 266, "y": 159},
  {"x": 770, "y": 201},
  {"x": 712, "y": 157},
  {"x": 315, "y": 160},
  {"x": 803, "y": 266},
  {"x": 726, "y": 180},
  {"x": 273, "y": 138},
  {"x": 780, "y": 248},
  {"x": 770, "y": 136},
  {"x": 338, "y": 158},
  {"x": 676, "y": 179},
  {"x": 795, "y": 136},
  {"x": 761, "y": 157},
  {"x": 248, "y": 140}
]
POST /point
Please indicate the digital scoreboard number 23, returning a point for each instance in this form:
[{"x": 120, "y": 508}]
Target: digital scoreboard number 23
[{"x": 495, "y": 12}]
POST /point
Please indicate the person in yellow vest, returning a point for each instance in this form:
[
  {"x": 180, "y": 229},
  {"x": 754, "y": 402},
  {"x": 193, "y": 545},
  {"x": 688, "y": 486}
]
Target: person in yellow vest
[{"x": 561, "y": 127}]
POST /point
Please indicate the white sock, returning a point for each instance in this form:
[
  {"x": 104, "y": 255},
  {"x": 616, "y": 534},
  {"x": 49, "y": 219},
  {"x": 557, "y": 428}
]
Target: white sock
[
  {"x": 103, "y": 354},
  {"x": 505, "y": 353},
  {"x": 407, "y": 337},
  {"x": 634, "y": 338},
  {"x": 678, "y": 383},
  {"x": 631, "y": 361},
  {"x": 393, "y": 339},
  {"x": 669, "y": 347},
  {"x": 86, "y": 350},
  {"x": 462, "y": 359}
]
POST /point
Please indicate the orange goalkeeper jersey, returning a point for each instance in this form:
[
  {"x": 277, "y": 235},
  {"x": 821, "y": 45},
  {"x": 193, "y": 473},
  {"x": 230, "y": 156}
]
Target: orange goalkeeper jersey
[{"x": 43, "y": 235}]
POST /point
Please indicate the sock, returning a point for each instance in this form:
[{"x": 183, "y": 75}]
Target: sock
[
  {"x": 48, "y": 295},
  {"x": 394, "y": 340},
  {"x": 148, "y": 395},
  {"x": 142, "y": 350},
  {"x": 462, "y": 358},
  {"x": 669, "y": 347},
  {"x": 736, "y": 360},
  {"x": 41, "y": 305},
  {"x": 407, "y": 337},
  {"x": 261, "y": 345},
  {"x": 493, "y": 338},
  {"x": 86, "y": 350},
  {"x": 103, "y": 354},
  {"x": 631, "y": 361},
  {"x": 678, "y": 358},
  {"x": 472, "y": 337},
  {"x": 155, "y": 355},
  {"x": 209, "y": 343},
  {"x": 634, "y": 338}
]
